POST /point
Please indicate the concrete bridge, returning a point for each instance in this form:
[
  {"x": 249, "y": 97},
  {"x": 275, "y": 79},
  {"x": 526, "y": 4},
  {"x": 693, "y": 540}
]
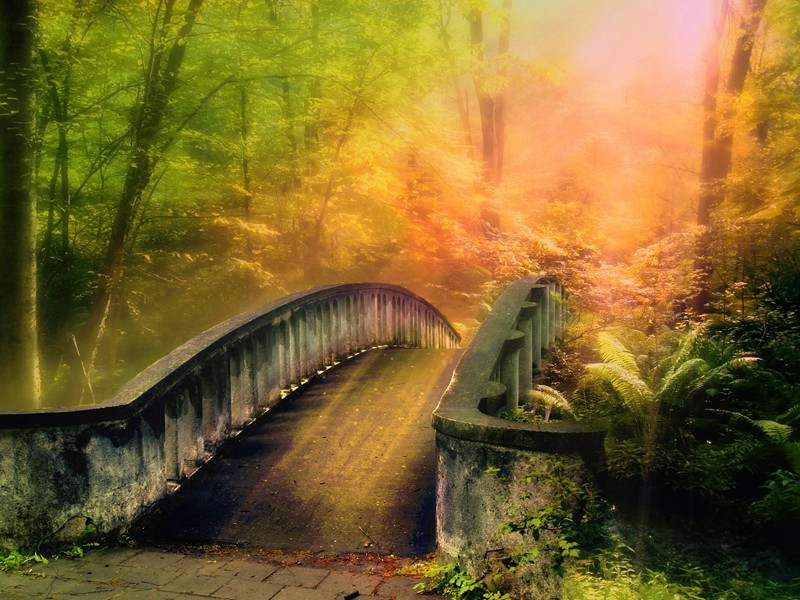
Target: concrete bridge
[{"x": 311, "y": 420}]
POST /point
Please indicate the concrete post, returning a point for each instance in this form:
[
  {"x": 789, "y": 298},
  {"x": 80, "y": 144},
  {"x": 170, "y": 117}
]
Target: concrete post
[
  {"x": 235, "y": 372},
  {"x": 536, "y": 337},
  {"x": 195, "y": 398},
  {"x": 347, "y": 327},
  {"x": 172, "y": 411},
  {"x": 337, "y": 347},
  {"x": 291, "y": 350},
  {"x": 551, "y": 314},
  {"x": 191, "y": 426},
  {"x": 274, "y": 356},
  {"x": 360, "y": 316},
  {"x": 539, "y": 297},
  {"x": 305, "y": 330},
  {"x": 285, "y": 352},
  {"x": 509, "y": 368},
  {"x": 326, "y": 329},
  {"x": 558, "y": 310},
  {"x": 209, "y": 387},
  {"x": 262, "y": 365},
  {"x": 525, "y": 325},
  {"x": 545, "y": 319}
]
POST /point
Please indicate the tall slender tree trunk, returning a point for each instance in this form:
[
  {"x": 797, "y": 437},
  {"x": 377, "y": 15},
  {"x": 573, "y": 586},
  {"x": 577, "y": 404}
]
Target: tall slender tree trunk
[
  {"x": 247, "y": 204},
  {"x": 19, "y": 361},
  {"x": 462, "y": 103},
  {"x": 500, "y": 102},
  {"x": 486, "y": 103},
  {"x": 491, "y": 106},
  {"x": 717, "y": 155},
  {"x": 159, "y": 86}
]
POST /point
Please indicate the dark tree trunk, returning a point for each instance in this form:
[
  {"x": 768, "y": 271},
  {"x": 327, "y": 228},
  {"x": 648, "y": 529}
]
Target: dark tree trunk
[
  {"x": 462, "y": 103},
  {"x": 159, "y": 86},
  {"x": 491, "y": 107},
  {"x": 486, "y": 103},
  {"x": 19, "y": 362},
  {"x": 718, "y": 134},
  {"x": 247, "y": 203},
  {"x": 500, "y": 102}
]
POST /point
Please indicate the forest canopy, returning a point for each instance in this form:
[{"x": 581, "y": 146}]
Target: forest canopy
[{"x": 183, "y": 160}]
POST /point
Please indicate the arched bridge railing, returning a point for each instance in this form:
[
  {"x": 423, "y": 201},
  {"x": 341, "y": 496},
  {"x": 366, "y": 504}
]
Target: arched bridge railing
[
  {"x": 480, "y": 456},
  {"x": 104, "y": 463},
  {"x": 499, "y": 366}
]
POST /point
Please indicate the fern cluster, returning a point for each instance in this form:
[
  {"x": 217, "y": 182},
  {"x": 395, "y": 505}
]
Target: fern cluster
[{"x": 697, "y": 414}]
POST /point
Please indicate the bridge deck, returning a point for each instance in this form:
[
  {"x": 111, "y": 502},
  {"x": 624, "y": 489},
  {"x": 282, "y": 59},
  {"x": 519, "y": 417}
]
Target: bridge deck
[{"x": 346, "y": 466}]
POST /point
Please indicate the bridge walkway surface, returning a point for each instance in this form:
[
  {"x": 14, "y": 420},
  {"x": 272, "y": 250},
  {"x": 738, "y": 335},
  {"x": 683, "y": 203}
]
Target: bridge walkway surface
[{"x": 345, "y": 466}]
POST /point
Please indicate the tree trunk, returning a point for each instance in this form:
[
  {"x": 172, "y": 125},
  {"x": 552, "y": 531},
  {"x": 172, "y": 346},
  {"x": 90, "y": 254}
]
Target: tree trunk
[
  {"x": 461, "y": 99},
  {"x": 718, "y": 134},
  {"x": 159, "y": 86},
  {"x": 246, "y": 183},
  {"x": 500, "y": 102},
  {"x": 486, "y": 103},
  {"x": 19, "y": 361}
]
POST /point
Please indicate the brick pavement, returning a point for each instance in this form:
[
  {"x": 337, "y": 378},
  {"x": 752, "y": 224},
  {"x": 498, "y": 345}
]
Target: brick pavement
[{"x": 154, "y": 574}]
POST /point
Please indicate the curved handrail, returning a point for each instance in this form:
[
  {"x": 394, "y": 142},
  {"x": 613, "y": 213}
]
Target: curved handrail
[
  {"x": 167, "y": 372},
  {"x": 499, "y": 365}
]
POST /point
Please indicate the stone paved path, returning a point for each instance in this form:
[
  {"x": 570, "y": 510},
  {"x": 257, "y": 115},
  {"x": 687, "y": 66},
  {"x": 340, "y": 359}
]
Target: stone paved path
[
  {"x": 152, "y": 574},
  {"x": 346, "y": 466}
]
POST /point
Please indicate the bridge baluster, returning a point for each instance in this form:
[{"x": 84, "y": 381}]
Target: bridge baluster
[
  {"x": 211, "y": 398},
  {"x": 261, "y": 363},
  {"x": 536, "y": 333},
  {"x": 273, "y": 357},
  {"x": 525, "y": 325},
  {"x": 172, "y": 409},
  {"x": 551, "y": 314},
  {"x": 238, "y": 386}
]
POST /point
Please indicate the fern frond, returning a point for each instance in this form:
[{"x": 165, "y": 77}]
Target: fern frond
[
  {"x": 772, "y": 431},
  {"x": 775, "y": 432},
  {"x": 615, "y": 353},
  {"x": 737, "y": 419},
  {"x": 673, "y": 387},
  {"x": 724, "y": 370},
  {"x": 549, "y": 397},
  {"x": 791, "y": 415},
  {"x": 630, "y": 389},
  {"x": 687, "y": 348},
  {"x": 792, "y": 451}
]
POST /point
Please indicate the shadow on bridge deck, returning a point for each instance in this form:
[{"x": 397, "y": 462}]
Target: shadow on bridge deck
[{"x": 345, "y": 466}]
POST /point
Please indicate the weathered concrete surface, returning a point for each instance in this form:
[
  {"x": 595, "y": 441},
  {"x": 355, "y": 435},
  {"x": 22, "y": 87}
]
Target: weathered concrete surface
[
  {"x": 149, "y": 574},
  {"x": 346, "y": 466},
  {"x": 55, "y": 481},
  {"x": 479, "y": 487}
]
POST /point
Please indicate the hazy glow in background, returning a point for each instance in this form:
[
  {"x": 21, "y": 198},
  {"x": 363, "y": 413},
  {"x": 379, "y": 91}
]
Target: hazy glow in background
[{"x": 611, "y": 43}]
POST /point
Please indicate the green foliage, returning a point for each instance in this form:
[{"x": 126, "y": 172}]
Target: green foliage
[
  {"x": 558, "y": 529},
  {"x": 16, "y": 561},
  {"x": 678, "y": 565},
  {"x": 782, "y": 500},
  {"x": 538, "y": 406},
  {"x": 453, "y": 583},
  {"x": 699, "y": 416}
]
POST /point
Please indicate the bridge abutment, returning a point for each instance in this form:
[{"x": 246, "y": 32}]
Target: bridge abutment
[{"x": 484, "y": 463}]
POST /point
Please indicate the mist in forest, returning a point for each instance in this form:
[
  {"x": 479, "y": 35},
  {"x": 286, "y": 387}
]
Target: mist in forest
[{"x": 195, "y": 159}]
